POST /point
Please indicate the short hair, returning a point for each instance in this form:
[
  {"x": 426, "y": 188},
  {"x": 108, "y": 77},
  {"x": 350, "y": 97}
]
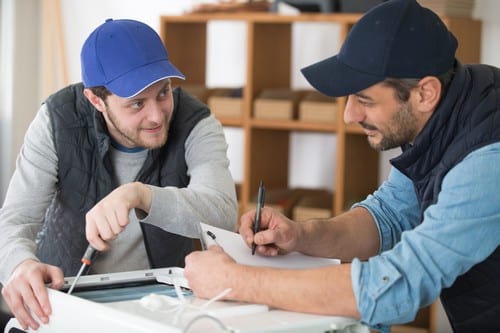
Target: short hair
[
  {"x": 403, "y": 87},
  {"x": 101, "y": 91}
]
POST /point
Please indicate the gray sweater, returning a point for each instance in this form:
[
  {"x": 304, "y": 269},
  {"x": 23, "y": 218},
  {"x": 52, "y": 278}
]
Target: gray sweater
[{"x": 210, "y": 196}]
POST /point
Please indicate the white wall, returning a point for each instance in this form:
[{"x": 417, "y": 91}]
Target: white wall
[{"x": 19, "y": 79}]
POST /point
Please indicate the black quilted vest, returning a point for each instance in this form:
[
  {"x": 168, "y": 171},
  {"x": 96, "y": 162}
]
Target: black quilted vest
[
  {"x": 467, "y": 119},
  {"x": 85, "y": 176}
]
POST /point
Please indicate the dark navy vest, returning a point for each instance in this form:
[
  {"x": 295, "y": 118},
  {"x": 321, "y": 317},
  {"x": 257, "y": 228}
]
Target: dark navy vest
[
  {"x": 85, "y": 176},
  {"x": 467, "y": 119}
]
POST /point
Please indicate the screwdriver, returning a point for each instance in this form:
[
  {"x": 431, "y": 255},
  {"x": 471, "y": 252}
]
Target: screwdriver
[{"x": 86, "y": 261}]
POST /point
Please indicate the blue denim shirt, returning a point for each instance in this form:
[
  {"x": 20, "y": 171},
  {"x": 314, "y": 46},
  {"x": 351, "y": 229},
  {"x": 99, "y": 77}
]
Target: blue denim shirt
[{"x": 419, "y": 258}]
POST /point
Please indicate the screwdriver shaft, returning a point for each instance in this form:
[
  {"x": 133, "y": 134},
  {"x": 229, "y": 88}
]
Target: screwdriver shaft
[
  {"x": 86, "y": 261},
  {"x": 76, "y": 279}
]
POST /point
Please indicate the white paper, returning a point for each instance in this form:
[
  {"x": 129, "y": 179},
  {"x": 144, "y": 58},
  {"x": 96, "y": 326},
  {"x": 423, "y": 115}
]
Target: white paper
[{"x": 233, "y": 244}]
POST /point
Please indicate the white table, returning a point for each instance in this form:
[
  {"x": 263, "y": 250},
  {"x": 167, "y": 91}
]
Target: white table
[{"x": 75, "y": 314}]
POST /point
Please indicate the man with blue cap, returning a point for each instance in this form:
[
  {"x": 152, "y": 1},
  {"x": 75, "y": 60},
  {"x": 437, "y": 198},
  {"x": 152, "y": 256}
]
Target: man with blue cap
[
  {"x": 432, "y": 228},
  {"x": 121, "y": 161}
]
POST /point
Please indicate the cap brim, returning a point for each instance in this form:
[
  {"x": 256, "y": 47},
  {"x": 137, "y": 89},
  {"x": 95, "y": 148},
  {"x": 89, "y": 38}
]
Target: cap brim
[
  {"x": 333, "y": 78},
  {"x": 135, "y": 81}
]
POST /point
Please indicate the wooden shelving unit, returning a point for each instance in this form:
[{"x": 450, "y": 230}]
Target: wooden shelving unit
[
  {"x": 268, "y": 44},
  {"x": 269, "y": 54}
]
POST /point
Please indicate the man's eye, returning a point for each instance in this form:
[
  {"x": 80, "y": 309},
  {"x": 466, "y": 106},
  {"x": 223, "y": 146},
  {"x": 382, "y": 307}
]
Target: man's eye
[
  {"x": 137, "y": 105},
  {"x": 163, "y": 93},
  {"x": 365, "y": 103}
]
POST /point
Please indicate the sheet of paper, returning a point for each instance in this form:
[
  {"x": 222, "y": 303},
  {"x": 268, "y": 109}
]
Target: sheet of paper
[{"x": 233, "y": 244}]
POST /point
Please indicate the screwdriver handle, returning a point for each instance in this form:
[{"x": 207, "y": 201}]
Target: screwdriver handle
[{"x": 87, "y": 256}]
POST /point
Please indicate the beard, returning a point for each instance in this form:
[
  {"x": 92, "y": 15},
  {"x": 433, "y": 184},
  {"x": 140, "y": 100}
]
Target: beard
[
  {"x": 132, "y": 136},
  {"x": 402, "y": 129}
]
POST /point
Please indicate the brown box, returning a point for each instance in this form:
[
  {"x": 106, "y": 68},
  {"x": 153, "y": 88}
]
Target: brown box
[
  {"x": 452, "y": 8},
  {"x": 283, "y": 200},
  {"x": 226, "y": 103},
  {"x": 313, "y": 204},
  {"x": 317, "y": 107},
  {"x": 277, "y": 104}
]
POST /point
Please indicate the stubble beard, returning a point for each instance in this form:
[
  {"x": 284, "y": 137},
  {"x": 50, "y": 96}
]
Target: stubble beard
[
  {"x": 403, "y": 127},
  {"x": 132, "y": 137}
]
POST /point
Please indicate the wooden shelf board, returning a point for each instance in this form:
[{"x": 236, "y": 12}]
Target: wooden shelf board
[
  {"x": 294, "y": 125},
  {"x": 231, "y": 122},
  {"x": 263, "y": 17}
]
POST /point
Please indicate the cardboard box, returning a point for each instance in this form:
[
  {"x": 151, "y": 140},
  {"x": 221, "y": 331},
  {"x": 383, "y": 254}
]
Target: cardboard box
[
  {"x": 226, "y": 103},
  {"x": 313, "y": 204},
  {"x": 452, "y": 8},
  {"x": 316, "y": 107},
  {"x": 283, "y": 200},
  {"x": 276, "y": 104}
]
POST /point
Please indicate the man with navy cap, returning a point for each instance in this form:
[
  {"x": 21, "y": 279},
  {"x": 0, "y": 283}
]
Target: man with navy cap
[
  {"x": 121, "y": 161},
  {"x": 432, "y": 229}
]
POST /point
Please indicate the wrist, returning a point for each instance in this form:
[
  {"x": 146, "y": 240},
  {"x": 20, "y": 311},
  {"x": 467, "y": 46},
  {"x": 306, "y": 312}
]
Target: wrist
[
  {"x": 144, "y": 197},
  {"x": 300, "y": 235}
]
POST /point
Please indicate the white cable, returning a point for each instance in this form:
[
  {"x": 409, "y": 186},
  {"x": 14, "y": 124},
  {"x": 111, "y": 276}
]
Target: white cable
[
  {"x": 203, "y": 316},
  {"x": 216, "y": 298},
  {"x": 155, "y": 302},
  {"x": 178, "y": 290}
]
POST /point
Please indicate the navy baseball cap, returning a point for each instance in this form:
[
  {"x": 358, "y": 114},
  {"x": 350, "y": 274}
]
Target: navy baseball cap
[
  {"x": 126, "y": 57},
  {"x": 396, "y": 39}
]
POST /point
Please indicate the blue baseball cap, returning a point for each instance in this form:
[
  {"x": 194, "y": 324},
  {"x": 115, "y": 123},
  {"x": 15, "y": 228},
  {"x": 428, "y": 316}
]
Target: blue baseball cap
[
  {"x": 396, "y": 39},
  {"x": 126, "y": 57}
]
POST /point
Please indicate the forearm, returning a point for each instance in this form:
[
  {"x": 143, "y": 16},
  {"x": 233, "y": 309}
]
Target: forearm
[
  {"x": 346, "y": 236},
  {"x": 180, "y": 210},
  {"x": 320, "y": 291}
]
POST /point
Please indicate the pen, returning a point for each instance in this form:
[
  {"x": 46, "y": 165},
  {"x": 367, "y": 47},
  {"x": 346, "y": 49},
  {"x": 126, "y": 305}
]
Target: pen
[
  {"x": 260, "y": 203},
  {"x": 212, "y": 235}
]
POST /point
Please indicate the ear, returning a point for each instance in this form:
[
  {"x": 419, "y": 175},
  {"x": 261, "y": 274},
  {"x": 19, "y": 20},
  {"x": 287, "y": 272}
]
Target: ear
[
  {"x": 429, "y": 93},
  {"x": 96, "y": 101}
]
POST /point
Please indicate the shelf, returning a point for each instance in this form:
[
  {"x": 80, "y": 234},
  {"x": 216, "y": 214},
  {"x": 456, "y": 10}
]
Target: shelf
[
  {"x": 293, "y": 125},
  {"x": 231, "y": 122},
  {"x": 345, "y": 18},
  {"x": 268, "y": 64}
]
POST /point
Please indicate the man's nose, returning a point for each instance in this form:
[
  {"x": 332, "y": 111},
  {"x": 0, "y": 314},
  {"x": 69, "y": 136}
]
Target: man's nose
[
  {"x": 155, "y": 113},
  {"x": 353, "y": 112}
]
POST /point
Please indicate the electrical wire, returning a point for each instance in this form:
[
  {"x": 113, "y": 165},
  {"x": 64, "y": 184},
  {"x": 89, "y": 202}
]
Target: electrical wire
[
  {"x": 206, "y": 316},
  {"x": 183, "y": 305}
]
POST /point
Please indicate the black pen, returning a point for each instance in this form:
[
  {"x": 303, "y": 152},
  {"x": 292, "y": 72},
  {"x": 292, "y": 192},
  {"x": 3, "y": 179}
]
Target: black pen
[
  {"x": 212, "y": 235},
  {"x": 258, "y": 213}
]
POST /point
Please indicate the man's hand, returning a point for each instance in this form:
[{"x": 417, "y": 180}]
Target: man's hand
[
  {"x": 110, "y": 216},
  {"x": 25, "y": 292},
  {"x": 278, "y": 233},
  {"x": 207, "y": 272}
]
